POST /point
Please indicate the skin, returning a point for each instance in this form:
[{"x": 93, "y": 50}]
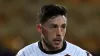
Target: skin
[{"x": 53, "y": 32}]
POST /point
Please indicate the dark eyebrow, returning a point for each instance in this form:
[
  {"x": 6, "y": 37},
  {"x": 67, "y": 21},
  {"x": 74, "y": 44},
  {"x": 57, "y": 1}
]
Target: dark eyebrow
[
  {"x": 64, "y": 24},
  {"x": 53, "y": 24},
  {"x": 61, "y": 25}
]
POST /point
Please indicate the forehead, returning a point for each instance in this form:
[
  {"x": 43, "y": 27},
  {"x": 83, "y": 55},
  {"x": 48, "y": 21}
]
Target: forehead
[{"x": 60, "y": 19}]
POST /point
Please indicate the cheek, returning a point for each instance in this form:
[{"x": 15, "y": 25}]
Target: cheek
[
  {"x": 48, "y": 35},
  {"x": 45, "y": 32},
  {"x": 64, "y": 32}
]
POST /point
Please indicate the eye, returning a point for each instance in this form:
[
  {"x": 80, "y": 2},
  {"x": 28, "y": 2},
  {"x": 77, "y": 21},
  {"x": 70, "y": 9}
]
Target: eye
[
  {"x": 64, "y": 26},
  {"x": 54, "y": 26}
]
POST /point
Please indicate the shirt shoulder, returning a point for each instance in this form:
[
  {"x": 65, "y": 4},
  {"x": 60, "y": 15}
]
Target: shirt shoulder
[
  {"x": 76, "y": 50},
  {"x": 28, "y": 50}
]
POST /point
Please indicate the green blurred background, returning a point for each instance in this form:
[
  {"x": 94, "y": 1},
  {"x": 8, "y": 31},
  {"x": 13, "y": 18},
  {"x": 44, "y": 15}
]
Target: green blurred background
[{"x": 18, "y": 19}]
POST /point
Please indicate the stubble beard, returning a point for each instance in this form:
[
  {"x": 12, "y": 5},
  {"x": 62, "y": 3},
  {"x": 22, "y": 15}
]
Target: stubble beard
[{"x": 49, "y": 47}]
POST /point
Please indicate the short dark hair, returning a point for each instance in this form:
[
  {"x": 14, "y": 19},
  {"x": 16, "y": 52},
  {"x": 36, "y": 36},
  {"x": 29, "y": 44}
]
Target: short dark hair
[{"x": 50, "y": 10}]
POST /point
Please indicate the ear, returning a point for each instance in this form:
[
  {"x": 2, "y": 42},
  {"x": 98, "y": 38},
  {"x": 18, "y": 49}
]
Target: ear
[{"x": 39, "y": 28}]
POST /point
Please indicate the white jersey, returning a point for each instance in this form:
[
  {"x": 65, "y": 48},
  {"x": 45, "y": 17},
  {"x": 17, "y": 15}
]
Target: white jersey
[{"x": 69, "y": 50}]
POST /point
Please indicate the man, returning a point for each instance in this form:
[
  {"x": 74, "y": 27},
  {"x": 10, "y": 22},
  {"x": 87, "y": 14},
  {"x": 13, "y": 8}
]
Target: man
[{"x": 52, "y": 27}]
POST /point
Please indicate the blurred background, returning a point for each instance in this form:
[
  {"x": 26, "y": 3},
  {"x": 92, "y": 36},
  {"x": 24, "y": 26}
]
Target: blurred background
[{"x": 18, "y": 20}]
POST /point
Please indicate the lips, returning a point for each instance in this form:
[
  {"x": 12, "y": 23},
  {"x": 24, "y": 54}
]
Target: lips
[{"x": 57, "y": 41}]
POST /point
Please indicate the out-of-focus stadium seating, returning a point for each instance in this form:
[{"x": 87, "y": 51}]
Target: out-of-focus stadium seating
[{"x": 18, "y": 19}]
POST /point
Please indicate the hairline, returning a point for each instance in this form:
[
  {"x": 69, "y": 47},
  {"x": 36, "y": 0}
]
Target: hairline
[{"x": 53, "y": 17}]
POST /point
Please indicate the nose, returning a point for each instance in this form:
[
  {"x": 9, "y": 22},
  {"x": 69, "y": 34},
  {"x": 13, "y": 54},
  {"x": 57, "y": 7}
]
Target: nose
[{"x": 59, "y": 31}]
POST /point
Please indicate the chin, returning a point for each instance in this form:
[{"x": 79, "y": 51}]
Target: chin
[{"x": 57, "y": 46}]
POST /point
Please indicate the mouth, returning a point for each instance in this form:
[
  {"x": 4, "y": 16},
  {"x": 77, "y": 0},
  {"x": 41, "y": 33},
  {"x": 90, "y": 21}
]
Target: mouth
[{"x": 57, "y": 41}]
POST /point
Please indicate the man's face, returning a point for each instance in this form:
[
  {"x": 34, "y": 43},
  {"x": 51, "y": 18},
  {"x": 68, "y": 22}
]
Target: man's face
[{"x": 53, "y": 31}]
